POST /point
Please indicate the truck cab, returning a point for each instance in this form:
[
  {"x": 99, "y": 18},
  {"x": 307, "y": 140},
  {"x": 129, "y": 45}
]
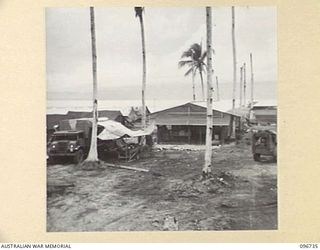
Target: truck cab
[{"x": 71, "y": 143}]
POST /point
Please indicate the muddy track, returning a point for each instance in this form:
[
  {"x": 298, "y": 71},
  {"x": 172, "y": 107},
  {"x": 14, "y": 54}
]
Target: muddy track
[{"x": 241, "y": 195}]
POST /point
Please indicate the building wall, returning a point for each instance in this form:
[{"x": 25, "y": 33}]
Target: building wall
[
  {"x": 183, "y": 134},
  {"x": 187, "y": 124},
  {"x": 189, "y": 114},
  {"x": 265, "y": 115}
]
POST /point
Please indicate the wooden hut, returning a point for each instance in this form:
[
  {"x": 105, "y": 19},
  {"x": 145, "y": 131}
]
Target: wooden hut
[
  {"x": 264, "y": 113},
  {"x": 187, "y": 124}
]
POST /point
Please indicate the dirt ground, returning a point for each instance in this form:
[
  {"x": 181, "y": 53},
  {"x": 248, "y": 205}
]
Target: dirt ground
[{"x": 241, "y": 194}]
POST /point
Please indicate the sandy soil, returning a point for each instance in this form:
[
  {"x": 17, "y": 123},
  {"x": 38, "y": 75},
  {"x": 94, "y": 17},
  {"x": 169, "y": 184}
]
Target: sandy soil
[{"x": 241, "y": 194}]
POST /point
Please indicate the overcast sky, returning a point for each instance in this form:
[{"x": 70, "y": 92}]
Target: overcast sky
[{"x": 169, "y": 32}]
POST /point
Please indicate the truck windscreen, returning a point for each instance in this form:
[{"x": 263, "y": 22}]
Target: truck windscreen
[{"x": 65, "y": 137}]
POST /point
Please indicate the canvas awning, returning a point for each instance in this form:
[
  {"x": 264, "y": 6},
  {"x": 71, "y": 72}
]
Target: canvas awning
[{"x": 113, "y": 130}]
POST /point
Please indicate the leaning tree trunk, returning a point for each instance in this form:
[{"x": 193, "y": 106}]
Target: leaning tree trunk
[
  {"x": 234, "y": 73},
  {"x": 93, "y": 152},
  {"x": 144, "y": 73},
  {"x": 208, "y": 155},
  {"x": 202, "y": 86}
]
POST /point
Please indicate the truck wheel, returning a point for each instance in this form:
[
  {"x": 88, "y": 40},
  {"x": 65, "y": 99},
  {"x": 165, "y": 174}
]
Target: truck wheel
[
  {"x": 256, "y": 157},
  {"x": 78, "y": 157},
  {"x": 52, "y": 160}
]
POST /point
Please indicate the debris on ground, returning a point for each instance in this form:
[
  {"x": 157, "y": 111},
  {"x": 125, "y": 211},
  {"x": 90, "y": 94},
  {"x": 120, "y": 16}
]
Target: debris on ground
[
  {"x": 170, "y": 223},
  {"x": 239, "y": 194},
  {"x": 183, "y": 147}
]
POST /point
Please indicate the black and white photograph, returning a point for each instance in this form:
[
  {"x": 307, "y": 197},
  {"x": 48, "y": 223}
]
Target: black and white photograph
[{"x": 161, "y": 118}]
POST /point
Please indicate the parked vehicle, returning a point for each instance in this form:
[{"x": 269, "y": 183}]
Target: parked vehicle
[
  {"x": 264, "y": 143},
  {"x": 71, "y": 144}
]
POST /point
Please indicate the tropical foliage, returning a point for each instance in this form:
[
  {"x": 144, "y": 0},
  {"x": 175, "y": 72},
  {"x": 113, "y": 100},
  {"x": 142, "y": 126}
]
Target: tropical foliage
[{"x": 194, "y": 58}]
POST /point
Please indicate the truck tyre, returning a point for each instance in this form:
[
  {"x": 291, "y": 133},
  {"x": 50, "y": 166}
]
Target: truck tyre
[
  {"x": 78, "y": 158},
  {"x": 275, "y": 158},
  {"x": 52, "y": 160},
  {"x": 256, "y": 157}
]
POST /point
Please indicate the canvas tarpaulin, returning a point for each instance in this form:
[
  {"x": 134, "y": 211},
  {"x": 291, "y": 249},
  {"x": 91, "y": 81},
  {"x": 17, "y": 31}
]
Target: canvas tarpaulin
[
  {"x": 110, "y": 130},
  {"x": 114, "y": 130}
]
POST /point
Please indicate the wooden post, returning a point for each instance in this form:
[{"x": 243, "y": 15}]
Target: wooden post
[
  {"x": 223, "y": 133},
  {"x": 208, "y": 154}
]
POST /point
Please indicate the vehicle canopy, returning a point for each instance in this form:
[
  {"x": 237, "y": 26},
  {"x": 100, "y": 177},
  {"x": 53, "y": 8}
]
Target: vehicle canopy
[{"x": 69, "y": 135}]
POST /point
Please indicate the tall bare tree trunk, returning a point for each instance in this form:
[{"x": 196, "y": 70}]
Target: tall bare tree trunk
[
  {"x": 208, "y": 155},
  {"x": 193, "y": 85},
  {"x": 233, "y": 127},
  {"x": 144, "y": 73},
  {"x": 241, "y": 87},
  {"x": 93, "y": 152},
  {"x": 252, "y": 82},
  {"x": 217, "y": 85},
  {"x": 244, "y": 85},
  {"x": 202, "y": 85}
]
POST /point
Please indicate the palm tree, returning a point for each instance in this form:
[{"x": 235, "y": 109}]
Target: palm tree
[
  {"x": 209, "y": 128},
  {"x": 190, "y": 71},
  {"x": 139, "y": 14},
  {"x": 234, "y": 72},
  {"x": 195, "y": 62},
  {"x": 93, "y": 152}
]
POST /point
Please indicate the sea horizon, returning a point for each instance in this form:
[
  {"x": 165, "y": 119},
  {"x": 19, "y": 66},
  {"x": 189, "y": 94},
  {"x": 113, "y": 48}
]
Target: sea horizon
[{"x": 124, "y": 106}]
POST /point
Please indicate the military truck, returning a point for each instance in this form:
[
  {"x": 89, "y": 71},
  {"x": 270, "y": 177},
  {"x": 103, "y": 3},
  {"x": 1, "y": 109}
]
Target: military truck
[
  {"x": 72, "y": 144},
  {"x": 70, "y": 140},
  {"x": 264, "y": 142}
]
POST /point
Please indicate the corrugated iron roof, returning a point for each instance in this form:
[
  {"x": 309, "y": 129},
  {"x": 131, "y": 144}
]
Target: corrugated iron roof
[
  {"x": 221, "y": 106},
  {"x": 265, "y": 103},
  {"x": 266, "y": 112},
  {"x": 111, "y": 114},
  {"x": 216, "y": 106}
]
